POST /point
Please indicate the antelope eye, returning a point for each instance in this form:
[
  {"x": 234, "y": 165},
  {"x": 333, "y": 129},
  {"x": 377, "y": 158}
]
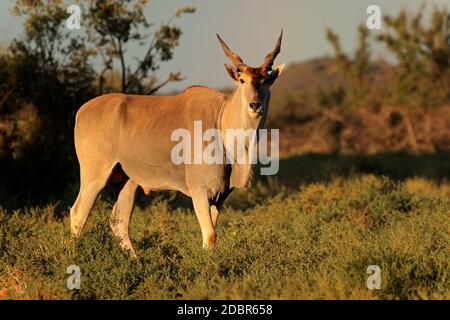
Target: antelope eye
[{"x": 242, "y": 81}]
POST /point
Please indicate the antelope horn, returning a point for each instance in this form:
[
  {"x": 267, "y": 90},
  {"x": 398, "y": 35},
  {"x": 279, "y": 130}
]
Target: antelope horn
[
  {"x": 237, "y": 61},
  {"x": 270, "y": 57}
]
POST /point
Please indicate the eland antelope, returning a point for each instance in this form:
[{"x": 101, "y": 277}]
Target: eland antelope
[{"x": 134, "y": 131}]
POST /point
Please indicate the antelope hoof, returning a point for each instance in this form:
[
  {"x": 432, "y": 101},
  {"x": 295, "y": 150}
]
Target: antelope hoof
[
  {"x": 75, "y": 232},
  {"x": 209, "y": 241},
  {"x": 132, "y": 254}
]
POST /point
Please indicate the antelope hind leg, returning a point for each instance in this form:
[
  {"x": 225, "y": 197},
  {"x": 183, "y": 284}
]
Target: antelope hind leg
[
  {"x": 121, "y": 215},
  {"x": 91, "y": 183}
]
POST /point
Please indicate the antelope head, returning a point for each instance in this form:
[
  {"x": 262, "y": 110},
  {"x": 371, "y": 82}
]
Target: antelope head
[{"x": 253, "y": 83}]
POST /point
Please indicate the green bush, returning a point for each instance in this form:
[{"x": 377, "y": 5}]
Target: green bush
[{"x": 315, "y": 243}]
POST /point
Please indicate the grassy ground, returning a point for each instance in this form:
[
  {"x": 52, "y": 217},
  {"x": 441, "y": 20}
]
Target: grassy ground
[{"x": 311, "y": 240}]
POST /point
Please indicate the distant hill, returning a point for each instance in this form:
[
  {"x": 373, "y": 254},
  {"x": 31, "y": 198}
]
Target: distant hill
[
  {"x": 297, "y": 87},
  {"x": 304, "y": 75}
]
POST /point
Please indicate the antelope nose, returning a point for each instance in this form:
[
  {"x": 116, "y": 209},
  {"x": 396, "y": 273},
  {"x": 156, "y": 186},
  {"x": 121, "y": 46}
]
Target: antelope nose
[{"x": 255, "y": 106}]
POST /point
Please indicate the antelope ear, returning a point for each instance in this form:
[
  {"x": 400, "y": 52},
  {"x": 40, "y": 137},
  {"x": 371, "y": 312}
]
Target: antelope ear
[
  {"x": 279, "y": 69},
  {"x": 276, "y": 71},
  {"x": 232, "y": 72}
]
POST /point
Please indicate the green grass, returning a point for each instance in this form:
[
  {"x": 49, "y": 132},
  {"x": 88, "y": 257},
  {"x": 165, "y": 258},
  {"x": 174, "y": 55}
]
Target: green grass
[{"x": 314, "y": 241}]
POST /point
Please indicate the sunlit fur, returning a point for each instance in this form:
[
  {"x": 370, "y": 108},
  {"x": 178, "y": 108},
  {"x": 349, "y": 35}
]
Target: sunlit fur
[{"x": 135, "y": 131}]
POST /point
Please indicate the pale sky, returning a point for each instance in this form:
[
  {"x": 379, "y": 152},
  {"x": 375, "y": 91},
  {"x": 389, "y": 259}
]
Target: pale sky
[{"x": 250, "y": 27}]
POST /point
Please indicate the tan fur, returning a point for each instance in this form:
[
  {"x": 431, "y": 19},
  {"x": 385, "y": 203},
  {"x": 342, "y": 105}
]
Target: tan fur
[
  {"x": 146, "y": 190},
  {"x": 134, "y": 132}
]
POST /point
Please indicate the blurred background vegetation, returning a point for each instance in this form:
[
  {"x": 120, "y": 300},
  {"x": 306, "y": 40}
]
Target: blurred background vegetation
[
  {"x": 47, "y": 74},
  {"x": 354, "y": 104},
  {"x": 346, "y": 103}
]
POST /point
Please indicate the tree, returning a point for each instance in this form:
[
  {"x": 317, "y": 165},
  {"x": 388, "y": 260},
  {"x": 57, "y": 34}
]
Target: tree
[
  {"x": 419, "y": 77},
  {"x": 357, "y": 73},
  {"x": 422, "y": 73},
  {"x": 422, "y": 55},
  {"x": 51, "y": 69},
  {"x": 48, "y": 73},
  {"x": 113, "y": 25}
]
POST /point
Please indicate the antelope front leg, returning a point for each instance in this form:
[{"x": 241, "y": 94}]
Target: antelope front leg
[{"x": 202, "y": 210}]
